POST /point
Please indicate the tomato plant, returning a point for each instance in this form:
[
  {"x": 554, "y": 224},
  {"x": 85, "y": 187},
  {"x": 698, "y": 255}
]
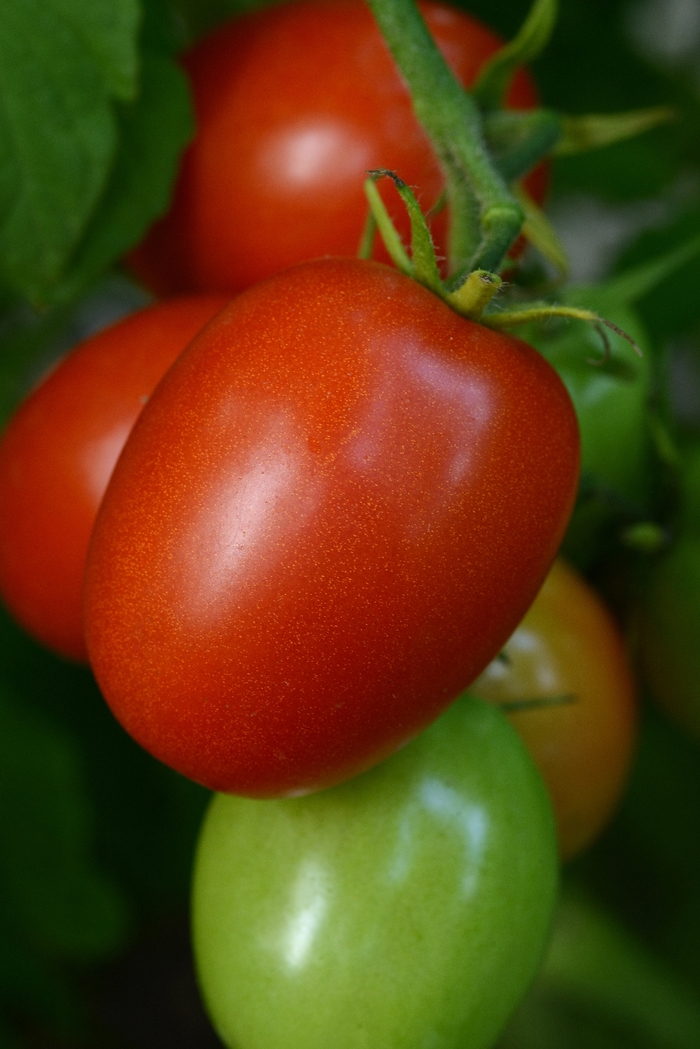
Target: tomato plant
[
  {"x": 409, "y": 907},
  {"x": 294, "y": 104},
  {"x": 337, "y": 483},
  {"x": 58, "y": 452},
  {"x": 568, "y": 649}
]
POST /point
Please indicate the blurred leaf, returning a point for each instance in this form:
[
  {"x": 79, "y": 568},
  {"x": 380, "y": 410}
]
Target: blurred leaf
[
  {"x": 153, "y": 132},
  {"x": 600, "y": 988},
  {"x": 647, "y": 866},
  {"x": 60, "y": 65},
  {"x": 56, "y": 905},
  {"x": 109, "y": 31},
  {"x": 52, "y": 891},
  {"x": 146, "y": 816},
  {"x": 673, "y": 306}
]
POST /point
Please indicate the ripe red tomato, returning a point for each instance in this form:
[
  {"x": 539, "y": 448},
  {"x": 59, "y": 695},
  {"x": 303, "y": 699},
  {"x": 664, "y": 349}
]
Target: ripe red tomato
[
  {"x": 569, "y": 646},
  {"x": 294, "y": 104},
  {"x": 338, "y": 482},
  {"x": 58, "y": 452}
]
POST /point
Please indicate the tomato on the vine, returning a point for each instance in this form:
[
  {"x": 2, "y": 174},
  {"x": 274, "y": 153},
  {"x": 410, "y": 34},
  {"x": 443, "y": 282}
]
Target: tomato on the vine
[
  {"x": 409, "y": 907},
  {"x": 337, "y": 483},
  {"x": 566, "y": 667},
  {"x": 58, "y": 452},
  {"x": 294, "y": 104}
]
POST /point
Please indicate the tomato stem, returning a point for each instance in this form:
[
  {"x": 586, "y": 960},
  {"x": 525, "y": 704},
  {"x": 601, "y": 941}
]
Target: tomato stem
[{"x": 485, "y": 217}]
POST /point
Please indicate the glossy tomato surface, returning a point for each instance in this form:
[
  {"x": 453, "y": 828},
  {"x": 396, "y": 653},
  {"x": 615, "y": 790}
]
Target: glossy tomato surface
[
  {"x": 338, "y": 483},
  {"x": 407, "y": 908},
  {"x": 294, "y": 104},
  {"x": 58, "y": 452},
  {"x": 569, "y": 648}
]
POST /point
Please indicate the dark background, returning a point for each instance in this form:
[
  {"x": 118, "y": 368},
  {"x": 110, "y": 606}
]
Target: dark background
[{"x": 96, "y": 838}]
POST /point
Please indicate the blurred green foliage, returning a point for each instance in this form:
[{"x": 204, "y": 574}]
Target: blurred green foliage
[{"x": 96, "y": 837}]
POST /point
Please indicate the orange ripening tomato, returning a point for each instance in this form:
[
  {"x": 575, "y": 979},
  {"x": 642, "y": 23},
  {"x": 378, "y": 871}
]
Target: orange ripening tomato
[
  {"x": 57, "y": 455},
  {"x": 568, "y": 647},
  {"x": 294, "y": 104}
]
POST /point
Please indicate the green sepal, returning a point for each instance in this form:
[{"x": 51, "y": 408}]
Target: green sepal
[
  {"x": 392, "y": 241},
  {"x": 542, "y": 311},
  {"x": 423, "y": 263},
  {"x": 473, "y": 296},
  {"x": 582, "y": 133},
  {"x": 369, "y": 235},
  {"x": 531, "y": 40}
]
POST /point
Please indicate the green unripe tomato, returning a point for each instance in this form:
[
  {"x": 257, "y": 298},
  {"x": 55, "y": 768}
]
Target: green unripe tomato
[
  {"x": 405, "y": 909},
  {"x": 611, "y": 401}
]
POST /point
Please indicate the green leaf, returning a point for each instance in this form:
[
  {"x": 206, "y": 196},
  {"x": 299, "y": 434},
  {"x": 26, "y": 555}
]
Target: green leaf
[
  {"x": 60, "y": 64},
  {"x": 109, "y": 30},
  {"x": 153, "y": 132},
  {"x": 533, "y": 37}
]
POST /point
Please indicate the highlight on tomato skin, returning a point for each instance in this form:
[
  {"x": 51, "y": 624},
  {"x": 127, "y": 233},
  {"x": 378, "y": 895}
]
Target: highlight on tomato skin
[
  {"x": 568, "y": 649},
  {"x": 58, "y": 452},
  {"x": 337, "y": 482},
  {"x": 294, "y": 104}
]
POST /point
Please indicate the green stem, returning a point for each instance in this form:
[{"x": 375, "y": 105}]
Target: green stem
[{"x": 485, "y": 217}]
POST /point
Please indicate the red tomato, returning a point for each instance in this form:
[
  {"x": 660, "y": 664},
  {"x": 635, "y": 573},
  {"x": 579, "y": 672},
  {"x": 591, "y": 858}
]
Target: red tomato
[
  {"x": 294, "y": 104},
  {"x": 58, "y": 452},
  {"x": 338, "y": 482},
  {"x": 568, "y": 646}
]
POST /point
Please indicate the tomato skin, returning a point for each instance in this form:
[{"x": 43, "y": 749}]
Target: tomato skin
[
  {"x": 568, "y": 645},
  {"x": 58, "y": 452},
  {"x": 338, "y": 482},
  {"x": 294, "y": 104},
  {"x": 407, "y": 908}
]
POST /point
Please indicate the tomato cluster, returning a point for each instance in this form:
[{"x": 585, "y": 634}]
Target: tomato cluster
[
  {"x": 325, "y": 507},
  {"x": 294, "y": 104}
]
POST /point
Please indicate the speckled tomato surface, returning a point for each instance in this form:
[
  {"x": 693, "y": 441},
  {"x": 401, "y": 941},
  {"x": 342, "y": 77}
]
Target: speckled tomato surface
[
  {"x": 336, "y": 484},
  {"x": 58, "y": 452}
]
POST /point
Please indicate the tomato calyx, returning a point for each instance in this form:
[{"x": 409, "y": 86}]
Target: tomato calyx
[
  {"x": 470, "y": 295},
  {"x": 483, "y": 149}
]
